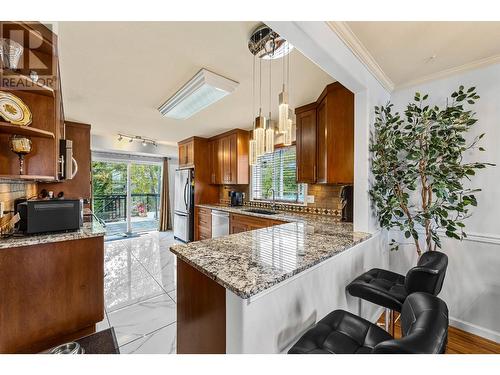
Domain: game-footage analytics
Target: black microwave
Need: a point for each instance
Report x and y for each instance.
(54, 215)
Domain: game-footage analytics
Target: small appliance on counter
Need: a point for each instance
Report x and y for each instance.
(236, 198)
(346, 196)
(50, 215)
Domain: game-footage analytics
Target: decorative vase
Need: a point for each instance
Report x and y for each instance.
(21, 146)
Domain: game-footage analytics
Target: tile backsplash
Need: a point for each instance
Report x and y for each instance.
(11, 190)
(326, 199)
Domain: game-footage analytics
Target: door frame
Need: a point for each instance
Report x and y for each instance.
(128, 162)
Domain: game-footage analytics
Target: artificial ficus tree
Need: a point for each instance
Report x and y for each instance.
(419, 170)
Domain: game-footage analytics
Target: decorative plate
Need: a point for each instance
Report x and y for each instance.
(13, 109)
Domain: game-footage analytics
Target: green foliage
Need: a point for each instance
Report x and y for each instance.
(145, 178)
(419, 171)
(111, 179)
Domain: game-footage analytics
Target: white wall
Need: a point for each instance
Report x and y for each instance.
(111, 144)
(472, 285)
(320, 43)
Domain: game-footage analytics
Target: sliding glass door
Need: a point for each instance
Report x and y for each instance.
(109, 194)
(126, 195)
(145, 185)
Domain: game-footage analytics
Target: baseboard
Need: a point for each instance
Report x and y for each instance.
(476, 330)
(457, 323)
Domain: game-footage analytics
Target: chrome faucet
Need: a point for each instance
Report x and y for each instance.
(274, 198)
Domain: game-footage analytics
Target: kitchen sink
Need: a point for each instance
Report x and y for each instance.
(261, 211)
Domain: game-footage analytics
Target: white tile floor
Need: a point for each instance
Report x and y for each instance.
(140, 293)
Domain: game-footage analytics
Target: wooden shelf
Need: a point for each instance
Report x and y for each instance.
(27, 131)
(27, 83)
(26, 177)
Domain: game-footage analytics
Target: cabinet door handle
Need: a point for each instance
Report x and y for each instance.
(314, 177)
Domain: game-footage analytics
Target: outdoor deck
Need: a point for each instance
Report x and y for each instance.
(139, 224)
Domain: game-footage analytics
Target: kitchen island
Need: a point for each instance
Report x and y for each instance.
(52, 288)
(257, 291)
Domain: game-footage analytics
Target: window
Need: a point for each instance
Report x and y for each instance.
(277, 171)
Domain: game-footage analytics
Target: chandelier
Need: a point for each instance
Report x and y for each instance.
(266, 44)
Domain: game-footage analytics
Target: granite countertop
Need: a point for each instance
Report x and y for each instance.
(250, 262)
(89, 229)
(288, 216)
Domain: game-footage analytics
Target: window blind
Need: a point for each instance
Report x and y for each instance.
(277, 171)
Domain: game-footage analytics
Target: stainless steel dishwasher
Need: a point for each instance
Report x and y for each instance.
(220, 223)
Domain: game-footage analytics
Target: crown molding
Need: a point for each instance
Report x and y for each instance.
(451, 71)
(347, 36)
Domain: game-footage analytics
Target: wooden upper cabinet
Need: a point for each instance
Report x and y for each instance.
(306, 143)
(43, 100)
(215, 162)
(186, 153)
(80, 185)
(229, 158)
(322, 135)
(325, 153)
(336, 163)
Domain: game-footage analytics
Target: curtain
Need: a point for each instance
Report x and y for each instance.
(165, 217)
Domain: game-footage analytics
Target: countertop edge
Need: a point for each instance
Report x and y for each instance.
(275, 282)
(87, 231)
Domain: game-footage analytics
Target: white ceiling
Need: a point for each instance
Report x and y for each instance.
(411, 52)
(116, 74)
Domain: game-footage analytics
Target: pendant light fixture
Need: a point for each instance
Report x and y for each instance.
(288, 124)
(252, 148)
(283, 104)
(270, 128)
(260, 122)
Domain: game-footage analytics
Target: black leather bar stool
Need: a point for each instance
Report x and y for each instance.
(390, 289)
(424, 330)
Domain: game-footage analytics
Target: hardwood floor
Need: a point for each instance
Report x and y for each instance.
(461, 342)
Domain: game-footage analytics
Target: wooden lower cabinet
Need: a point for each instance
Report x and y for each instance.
(244, 223)
(51, 293)
(237, 223)
(201, 312)
(203, 224)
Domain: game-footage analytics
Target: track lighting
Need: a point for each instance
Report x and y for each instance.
(131, 138)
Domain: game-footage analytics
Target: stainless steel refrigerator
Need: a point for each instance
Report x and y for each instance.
(184, 205)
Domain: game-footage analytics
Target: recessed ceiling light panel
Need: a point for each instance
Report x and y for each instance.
(204, 89)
